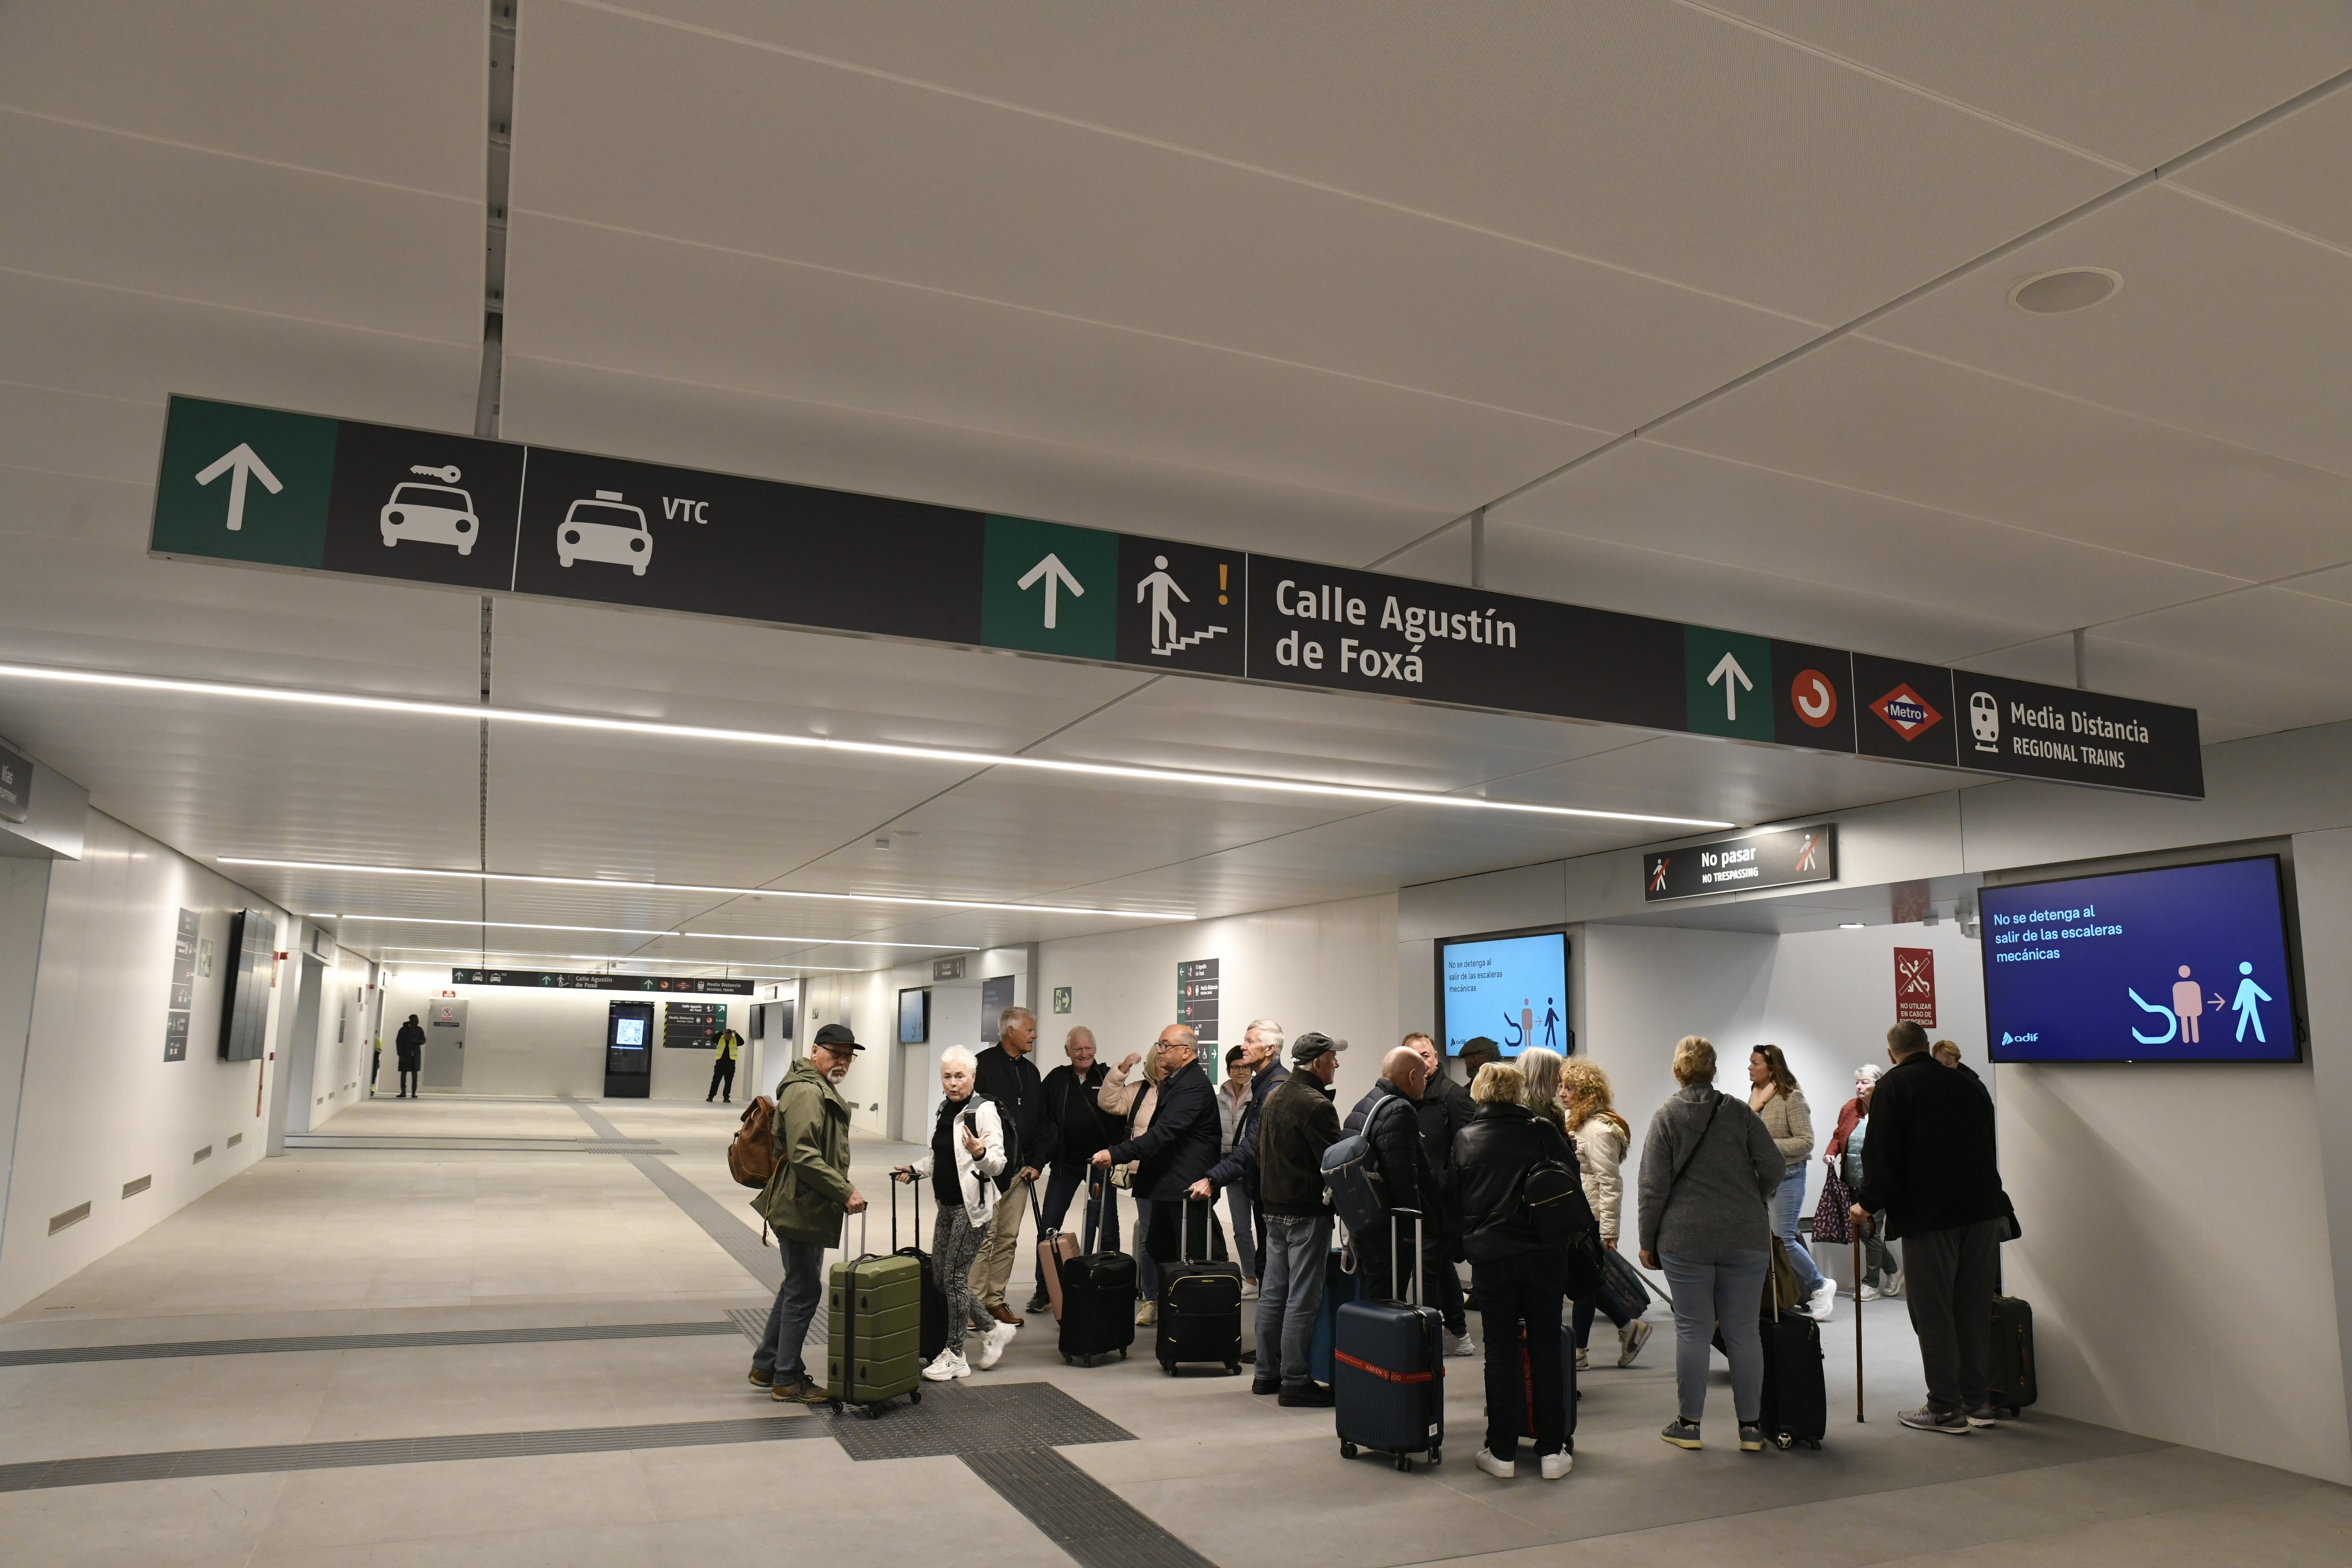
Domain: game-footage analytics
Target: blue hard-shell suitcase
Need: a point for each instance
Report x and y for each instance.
(1388, 1383)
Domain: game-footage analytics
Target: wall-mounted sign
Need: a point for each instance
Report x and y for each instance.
(554, 980)
(1915, 986)
(948, 968)
(1061, 998)
(1196, 997)
(691, 1025)
(181, 997)
(1785, 858)
(299, 490)
(16, 787)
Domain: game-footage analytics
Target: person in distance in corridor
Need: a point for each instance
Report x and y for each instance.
(1601, 1137)
(408, 1046)
(967, 1154)
(1406, 1180)
(726, 1046)
(1445, 1109)
(1299, 1124)
(1931, 1167)
(1773, 1094)
(1074, 1089)
(1708, 1169)
(1236, 1174)
(1879, 1275)
(1519, 1277)
(1007, 1076)
(804, 1203)
(1178, 1148)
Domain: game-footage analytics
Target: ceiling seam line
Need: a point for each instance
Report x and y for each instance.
(82, 392)
(2095, 204)
(319, 321)
(231, 154)
(1068, 318)
(2283, 583)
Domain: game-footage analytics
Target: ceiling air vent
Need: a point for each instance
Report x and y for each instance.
(2069, 288)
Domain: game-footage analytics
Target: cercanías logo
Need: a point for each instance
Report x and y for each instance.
(1906, 713)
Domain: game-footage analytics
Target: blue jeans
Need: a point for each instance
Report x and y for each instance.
(1290, 1293)
(1067, 1180)
(779, 1354)
(1516, 1293)
(1787, 1204)
(1712, 1286)
(1237, 1204)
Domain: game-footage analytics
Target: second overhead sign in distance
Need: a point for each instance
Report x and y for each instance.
(269, 488)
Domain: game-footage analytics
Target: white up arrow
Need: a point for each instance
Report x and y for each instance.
(1729, 673)
(1055, 573)
(236, 463)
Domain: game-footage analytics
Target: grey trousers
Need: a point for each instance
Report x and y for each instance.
(1948, 1282)
(1718, 1286)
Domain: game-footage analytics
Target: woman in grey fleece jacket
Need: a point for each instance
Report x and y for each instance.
(1708, 1227)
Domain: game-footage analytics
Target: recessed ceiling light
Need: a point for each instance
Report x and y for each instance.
(698, 888)
(2068, 289)
(630, 931)
(1850, 925)
(472, 713)
(625, 960)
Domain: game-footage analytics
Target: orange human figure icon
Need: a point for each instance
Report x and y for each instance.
(2189, 1001)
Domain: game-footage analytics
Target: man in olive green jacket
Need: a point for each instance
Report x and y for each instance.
(803, 1203)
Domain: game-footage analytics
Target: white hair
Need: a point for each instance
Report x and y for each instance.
(958, 1057)
(1265, 1029)
(1868, 1072)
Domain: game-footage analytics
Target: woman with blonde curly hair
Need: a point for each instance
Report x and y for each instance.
(1601, 1136)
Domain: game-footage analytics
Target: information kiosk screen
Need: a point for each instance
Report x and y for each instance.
(1512, 989)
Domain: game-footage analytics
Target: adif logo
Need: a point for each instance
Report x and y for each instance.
(1906, 713)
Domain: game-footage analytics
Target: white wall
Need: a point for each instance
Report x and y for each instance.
(333, 1073)
(548, 1043)
(1331, 967)
(99, 1106)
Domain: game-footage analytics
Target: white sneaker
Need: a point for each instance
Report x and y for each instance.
(1147, 1314)
(1871, 1293)
(993, 1343)
(1631, 1339)
(1249, 1289)
(1501, 1469)
(1464, 1346)
(1555, 1465)
(945, 1367)
(1824, 1301)
(1583, 1359)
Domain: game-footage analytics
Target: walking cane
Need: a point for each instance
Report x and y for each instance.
(1857, 1323)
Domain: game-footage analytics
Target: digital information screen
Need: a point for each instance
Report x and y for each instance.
(628, 1031)
(2185, 964)
(914, 1016)
(1511, 989)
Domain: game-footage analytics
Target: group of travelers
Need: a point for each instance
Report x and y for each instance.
(1720, 1187)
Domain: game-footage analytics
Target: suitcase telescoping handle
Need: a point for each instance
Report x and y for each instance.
(1396, 1254)
(1184, 1229)
(1099, 1196)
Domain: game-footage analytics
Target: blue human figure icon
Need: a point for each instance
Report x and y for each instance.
(1551, 1027)
(2248, 994)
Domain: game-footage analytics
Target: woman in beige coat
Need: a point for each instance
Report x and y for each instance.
(1601, 1136)
(1773, 1094)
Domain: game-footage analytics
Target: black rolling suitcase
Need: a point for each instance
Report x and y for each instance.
(933, 1334)
(2012, 1365)
(1388, 1377)
(1098, 1300)
(1200, 1317)
(1796, 1407)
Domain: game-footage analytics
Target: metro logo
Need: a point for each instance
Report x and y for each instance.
(1906, 713)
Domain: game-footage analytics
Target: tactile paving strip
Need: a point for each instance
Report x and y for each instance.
(173, 1350)
(957, 1418)
(1096, 1526)
(45, 1473)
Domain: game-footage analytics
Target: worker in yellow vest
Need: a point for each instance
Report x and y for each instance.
(723, 1069)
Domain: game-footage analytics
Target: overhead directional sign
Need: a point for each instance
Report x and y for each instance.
(421, 506)
(553, 980)
(1786, 857)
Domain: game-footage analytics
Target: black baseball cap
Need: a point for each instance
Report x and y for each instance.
(837, 1034)
(1310, 1045)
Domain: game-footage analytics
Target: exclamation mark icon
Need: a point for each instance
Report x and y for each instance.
(1221, 582)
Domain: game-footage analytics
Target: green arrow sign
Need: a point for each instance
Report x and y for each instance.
(1046, 587)
(1725, 681)
(244, 484)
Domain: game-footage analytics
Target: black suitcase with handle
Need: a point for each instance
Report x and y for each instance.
(933, 1336)
(1098, 1299)
(1200, 1317)
(2014, 1386)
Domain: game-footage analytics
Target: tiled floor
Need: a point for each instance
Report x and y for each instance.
(334, 1242)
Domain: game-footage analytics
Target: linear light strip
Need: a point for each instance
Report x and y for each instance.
(474, 714)
(687, 888)
(610, 958)
(630, 931)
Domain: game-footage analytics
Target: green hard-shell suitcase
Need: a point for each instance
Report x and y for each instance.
(874, 1311)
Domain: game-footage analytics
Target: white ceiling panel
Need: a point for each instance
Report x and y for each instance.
(2139, 82)
(395, 92)
(1649, 136)
(697, 315)
(2291, 171)
(999, 205)
(2234, 330)
(950, 464)
(1700, 776)
(1646, 496)
(1870, 417)
(172, 220)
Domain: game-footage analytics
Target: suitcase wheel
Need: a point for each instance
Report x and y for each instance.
(1404, 1463)
(1122, 1354)
(1347, 1449)
(836, 1407)
(1784, 1441)
(1233, 1369)
(914, 1396)
(1437, 1455)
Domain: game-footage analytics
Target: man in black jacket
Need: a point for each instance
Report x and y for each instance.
(1406, 1180)
(1178, 1148)
(1261, 1050)
(1930, 1165)
(1298, 1124)
(1087, 1128)
(1446, 1108)
(1008, 1077)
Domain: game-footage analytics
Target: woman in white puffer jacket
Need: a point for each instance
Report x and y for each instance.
(967, 1154)
(1601, 1137)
